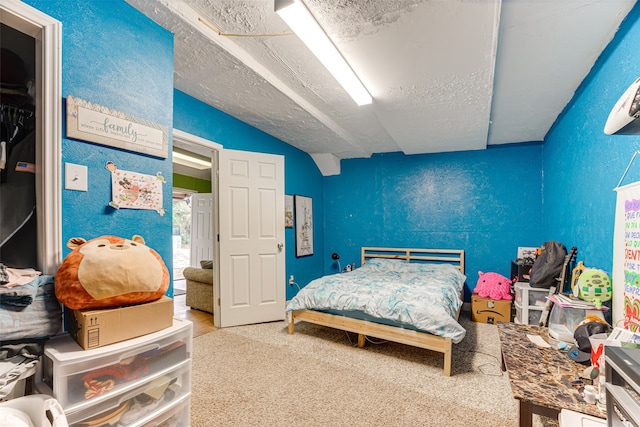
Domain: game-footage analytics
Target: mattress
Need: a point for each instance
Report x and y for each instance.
(420, 296)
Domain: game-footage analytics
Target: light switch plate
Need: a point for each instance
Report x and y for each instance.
(75, 177)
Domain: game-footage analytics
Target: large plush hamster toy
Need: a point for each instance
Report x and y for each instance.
(110, 271)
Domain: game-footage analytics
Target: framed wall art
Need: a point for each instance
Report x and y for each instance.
(304, 225)
(288, 211)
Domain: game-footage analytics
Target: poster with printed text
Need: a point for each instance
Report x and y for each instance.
(626, 258)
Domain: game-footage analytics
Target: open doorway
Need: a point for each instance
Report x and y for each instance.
(193, 160)
(181, 221)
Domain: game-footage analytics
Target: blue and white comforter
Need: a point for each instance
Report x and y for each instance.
(424, 296)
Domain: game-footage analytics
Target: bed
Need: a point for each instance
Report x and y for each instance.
(409, 296)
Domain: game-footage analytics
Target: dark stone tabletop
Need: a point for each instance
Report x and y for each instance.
(536, 373)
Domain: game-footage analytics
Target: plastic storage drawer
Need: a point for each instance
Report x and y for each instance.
(80, 378)
(526, 295)
(142, 404)
(178, 416)
(533, 315)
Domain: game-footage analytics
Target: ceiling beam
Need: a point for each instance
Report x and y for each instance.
(193, 18)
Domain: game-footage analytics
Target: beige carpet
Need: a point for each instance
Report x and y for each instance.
(259, 375)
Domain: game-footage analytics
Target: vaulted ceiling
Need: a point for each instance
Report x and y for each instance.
(444, 75)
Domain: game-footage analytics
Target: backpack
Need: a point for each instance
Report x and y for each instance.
(547, 268)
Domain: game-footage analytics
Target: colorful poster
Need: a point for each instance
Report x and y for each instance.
(134, 190)
(626, 258)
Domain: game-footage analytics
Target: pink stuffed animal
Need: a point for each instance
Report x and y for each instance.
(494, 286)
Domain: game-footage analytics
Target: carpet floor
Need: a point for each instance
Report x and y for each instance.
(259, 375)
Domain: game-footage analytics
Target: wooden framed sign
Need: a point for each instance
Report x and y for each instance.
(101, 125)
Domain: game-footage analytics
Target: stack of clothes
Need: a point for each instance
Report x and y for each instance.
(29, 314)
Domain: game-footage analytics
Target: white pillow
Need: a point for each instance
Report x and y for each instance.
(386, 264)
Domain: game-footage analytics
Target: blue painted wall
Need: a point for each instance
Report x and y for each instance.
(485, 202)
(114, 56)
(301, 174)
(490, 202)
(581, 164)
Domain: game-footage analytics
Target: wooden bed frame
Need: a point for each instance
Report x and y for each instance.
(392, 333)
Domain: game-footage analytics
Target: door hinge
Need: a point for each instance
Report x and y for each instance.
(218, 302)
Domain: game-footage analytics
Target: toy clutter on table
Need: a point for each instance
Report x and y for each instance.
(589, 289)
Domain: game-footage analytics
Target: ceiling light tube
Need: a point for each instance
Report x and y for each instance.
(191, 161)
(300, 20)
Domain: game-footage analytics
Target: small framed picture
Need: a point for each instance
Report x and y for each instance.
(288, 211)
(304, 225)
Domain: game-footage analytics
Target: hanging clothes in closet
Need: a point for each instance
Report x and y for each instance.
(18, 219)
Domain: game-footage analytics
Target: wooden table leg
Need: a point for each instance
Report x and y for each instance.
(527, 409)
(526, 414)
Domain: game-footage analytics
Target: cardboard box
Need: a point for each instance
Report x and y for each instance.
(97, 328)
(487, 310)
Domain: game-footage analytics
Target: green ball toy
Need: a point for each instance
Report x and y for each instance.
(594, 286)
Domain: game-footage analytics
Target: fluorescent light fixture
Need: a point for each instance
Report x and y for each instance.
(300, 20)
(191, 161)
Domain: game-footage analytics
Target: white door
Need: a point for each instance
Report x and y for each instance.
(252, 257)
(201, 228)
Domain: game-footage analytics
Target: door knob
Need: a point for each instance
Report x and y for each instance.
(280, 246)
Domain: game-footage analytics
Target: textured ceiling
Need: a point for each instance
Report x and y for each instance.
(444, 75)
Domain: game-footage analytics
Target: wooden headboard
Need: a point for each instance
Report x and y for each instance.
(448, 256)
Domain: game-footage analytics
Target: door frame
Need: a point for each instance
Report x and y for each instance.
(47, 33)
(187, 138)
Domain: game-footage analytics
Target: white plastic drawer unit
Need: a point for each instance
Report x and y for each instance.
(177, 416)
(529, 303)
(526, 295)
(533, 316)
(141, 405)
(80, 378)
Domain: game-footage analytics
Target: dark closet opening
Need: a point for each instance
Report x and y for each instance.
(18, 216)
